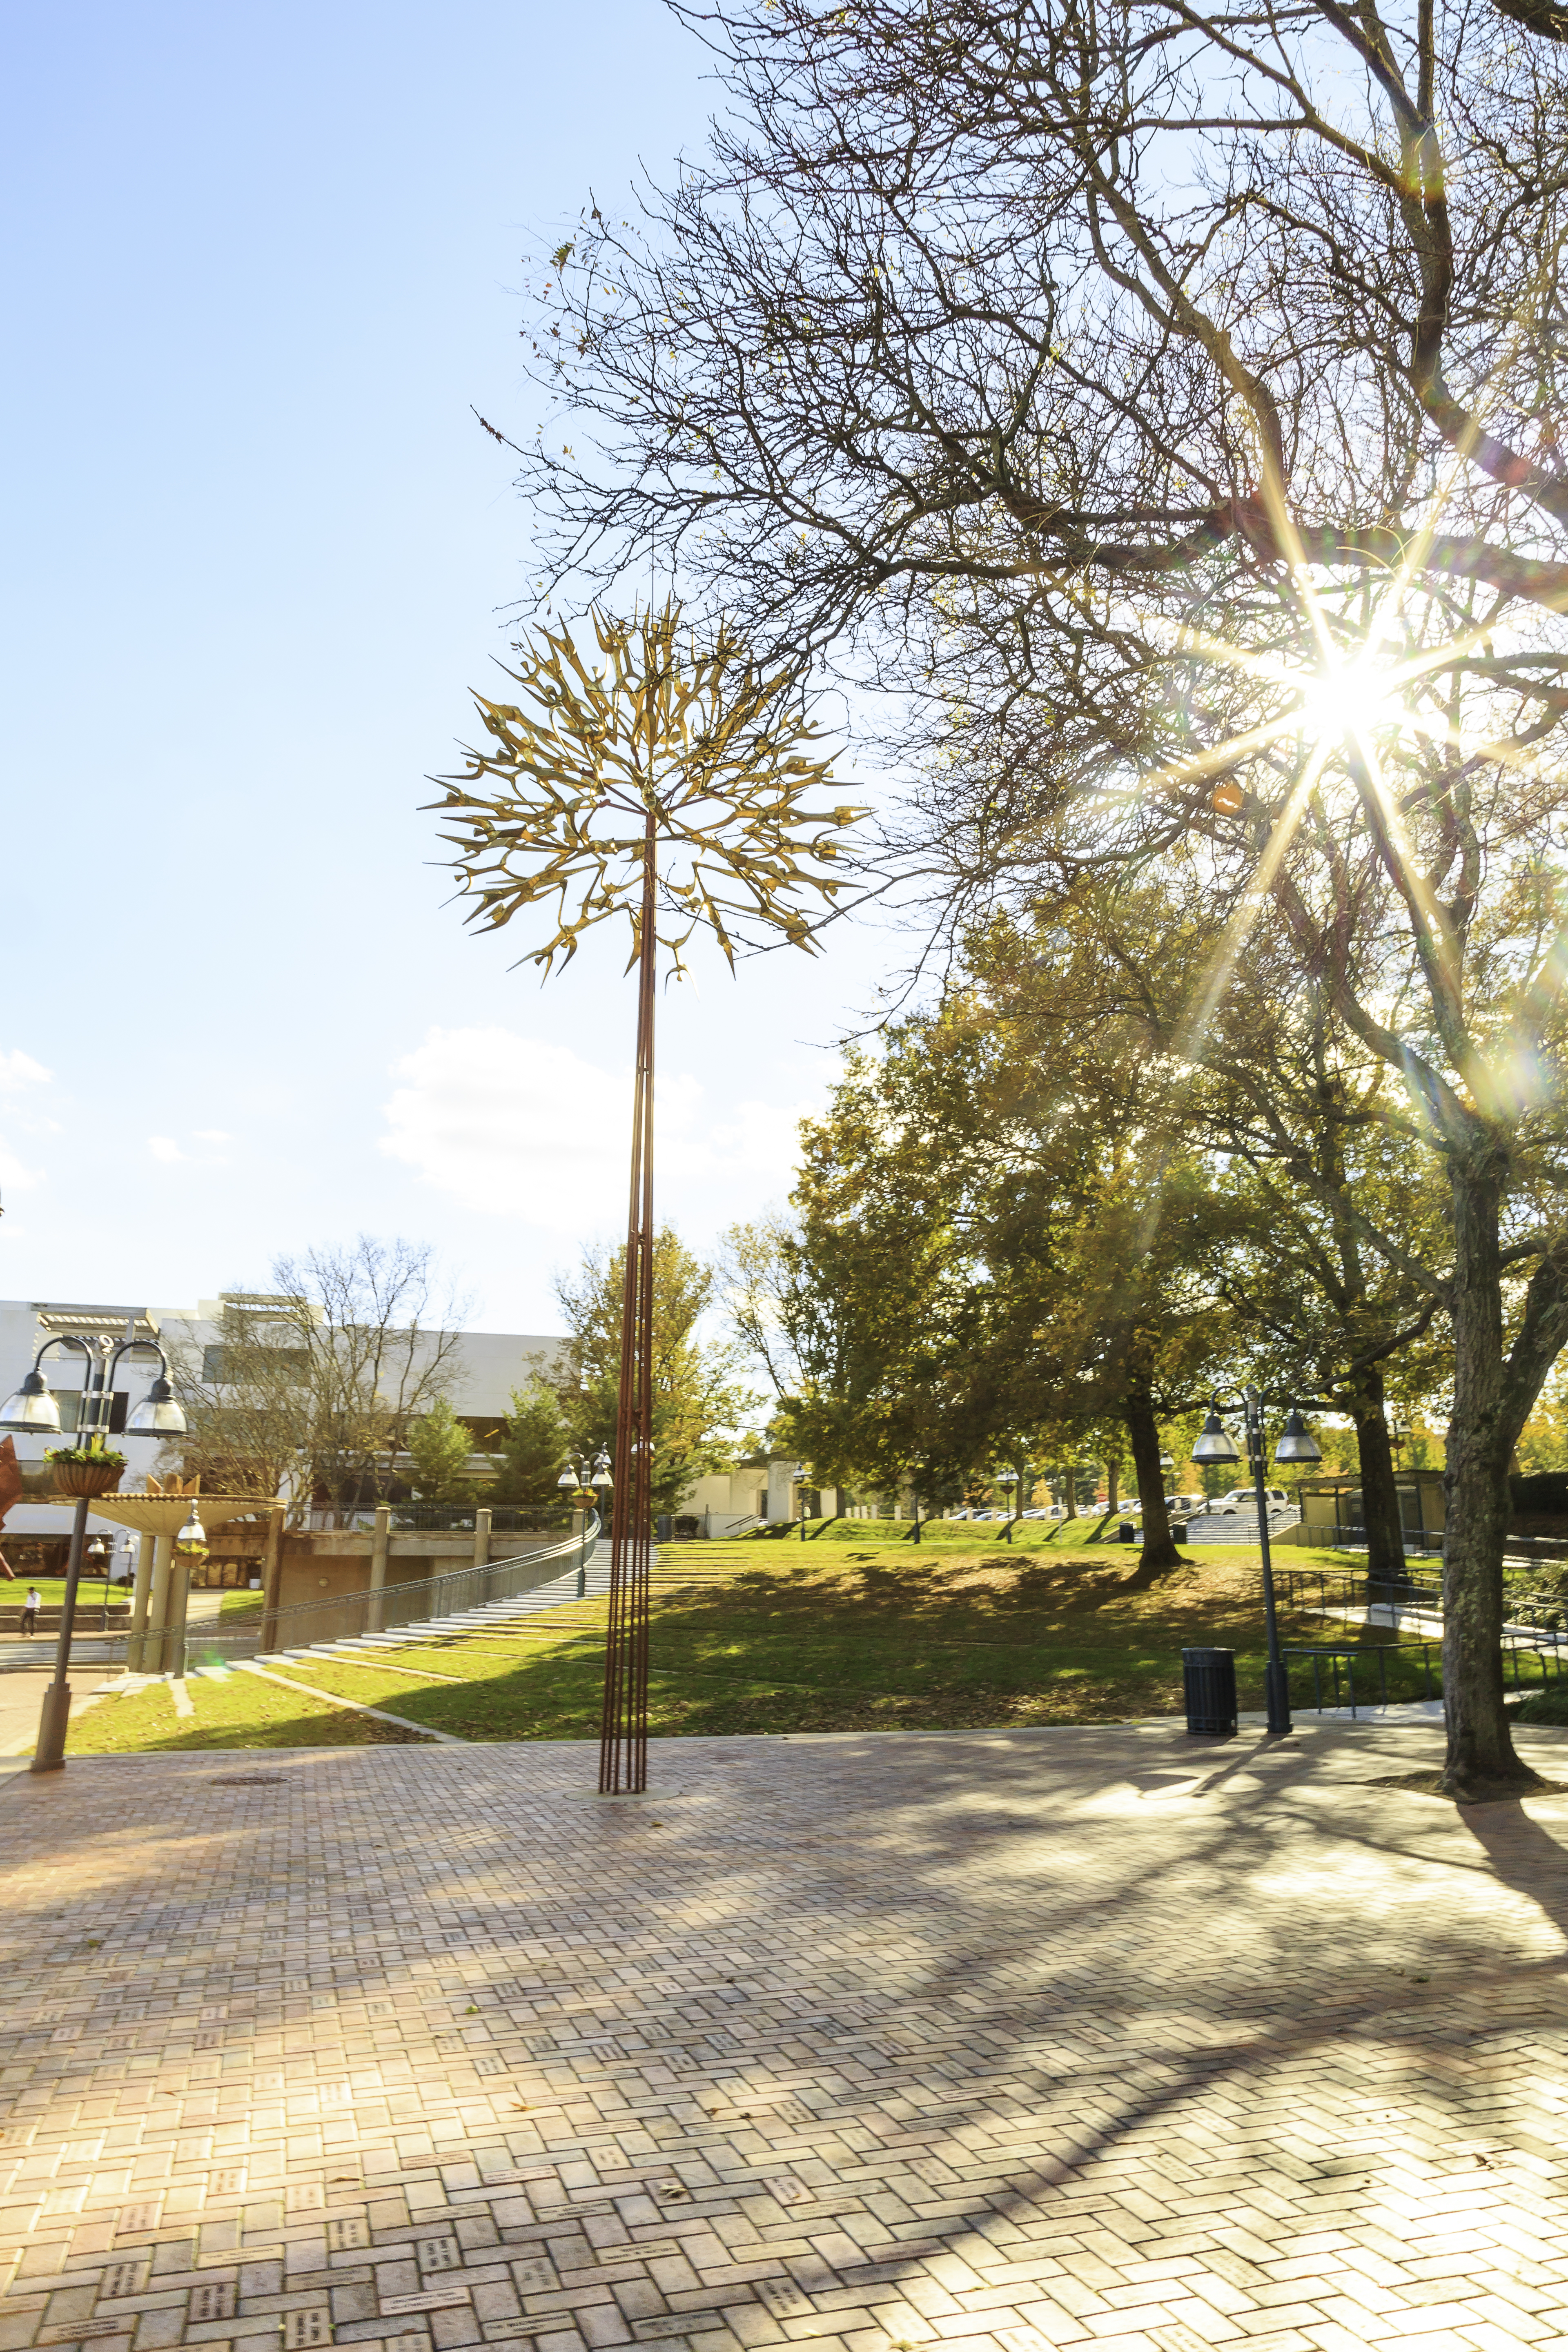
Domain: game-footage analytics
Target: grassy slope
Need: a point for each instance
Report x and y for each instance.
(753, 1638)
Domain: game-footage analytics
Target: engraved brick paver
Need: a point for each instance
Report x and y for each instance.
(995, 2042)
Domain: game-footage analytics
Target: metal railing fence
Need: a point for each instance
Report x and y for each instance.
(1350, 1587)
(506, 1518)
(1415, 1658)
(1349, 1535)
(392, 1608)
(439, 1518)
(1354, 1588)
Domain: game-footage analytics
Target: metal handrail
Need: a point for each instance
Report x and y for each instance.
(389, 1608)
(1353, 1655)
(1358, 1587)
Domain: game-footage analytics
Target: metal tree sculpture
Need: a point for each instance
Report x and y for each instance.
(674, 794)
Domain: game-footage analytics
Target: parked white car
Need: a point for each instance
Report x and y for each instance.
(1244, 1499)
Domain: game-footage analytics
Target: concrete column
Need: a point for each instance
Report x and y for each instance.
(380, 1544)
(140, 1594)
(481, 1539)
(152, 1659)
(271, 1575)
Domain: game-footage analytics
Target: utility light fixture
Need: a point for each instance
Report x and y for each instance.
(159, 1414)
(1297, 1443)
(1215, 1444)
(32, 1408)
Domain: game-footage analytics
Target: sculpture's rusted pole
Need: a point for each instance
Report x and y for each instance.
(599, 771)
(623, 1737)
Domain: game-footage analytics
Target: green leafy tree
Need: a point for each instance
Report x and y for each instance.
(700, 1402)
(440, 1446)
(534, 1444)
(1317, 1211)
(994, 1256)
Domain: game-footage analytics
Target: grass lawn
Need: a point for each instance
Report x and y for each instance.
(52, 1589)
(243, 1712)
(869, 1636)
(89, 1596)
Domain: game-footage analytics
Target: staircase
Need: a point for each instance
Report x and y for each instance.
(589, 1583)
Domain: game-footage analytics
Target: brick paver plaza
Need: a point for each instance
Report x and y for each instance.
(995, 2041)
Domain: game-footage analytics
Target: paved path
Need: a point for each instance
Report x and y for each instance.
(997, 2041)
(22, 1700)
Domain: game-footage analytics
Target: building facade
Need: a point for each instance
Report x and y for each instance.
(484, 1368)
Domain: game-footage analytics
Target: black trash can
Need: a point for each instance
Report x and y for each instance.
(1208, 1684)
(1126, 1532)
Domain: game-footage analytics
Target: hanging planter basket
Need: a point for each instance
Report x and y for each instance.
(87, 1478)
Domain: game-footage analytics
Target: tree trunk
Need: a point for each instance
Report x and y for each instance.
(1480, 1761)
(1379, 1495)
(1159, 1554)
(1070, 1488)
(1112, 1485)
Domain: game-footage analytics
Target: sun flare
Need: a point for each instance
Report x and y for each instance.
(1349, 700)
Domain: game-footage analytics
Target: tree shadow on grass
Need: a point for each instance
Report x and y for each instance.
(869, 1646)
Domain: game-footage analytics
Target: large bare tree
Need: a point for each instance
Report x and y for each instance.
(311, 1389)
(1167, 400)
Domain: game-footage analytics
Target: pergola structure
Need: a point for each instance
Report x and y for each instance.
(161, 1589)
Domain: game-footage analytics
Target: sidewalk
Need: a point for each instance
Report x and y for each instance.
(22, 1697)
(1005, 2040)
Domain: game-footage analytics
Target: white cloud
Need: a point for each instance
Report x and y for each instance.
(511, 1125)
(18, 1070)
(163, 1147)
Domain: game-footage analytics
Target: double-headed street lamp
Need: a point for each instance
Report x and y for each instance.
(585, 1479)
(1297, 1443)
(1010, 1480)
(33, 1411)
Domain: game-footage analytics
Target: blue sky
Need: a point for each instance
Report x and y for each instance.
(261, 265)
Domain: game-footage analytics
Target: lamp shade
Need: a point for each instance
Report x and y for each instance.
(157, 1416)
(568, 1481)
(32, 1408)
(1215, 1444)
(1297, 1443)
(193, 1536)
(1007, 1477)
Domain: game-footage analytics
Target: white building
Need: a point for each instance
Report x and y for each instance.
(485, 1367)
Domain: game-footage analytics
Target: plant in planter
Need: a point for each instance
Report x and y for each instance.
(85, 1469)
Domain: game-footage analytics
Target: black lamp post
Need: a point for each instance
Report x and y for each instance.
(589, 1480)
(100, 1555)
(797, 1473)
(33, 1411)
(1012, 1485)
(1296, 1444)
